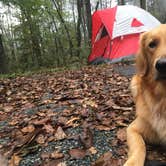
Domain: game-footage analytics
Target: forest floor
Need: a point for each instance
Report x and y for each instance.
(71, 118)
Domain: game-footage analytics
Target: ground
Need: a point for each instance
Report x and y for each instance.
(70, 118)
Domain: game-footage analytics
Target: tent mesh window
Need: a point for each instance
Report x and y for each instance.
(104, 32)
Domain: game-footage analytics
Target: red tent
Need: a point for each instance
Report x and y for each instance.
(115, 32)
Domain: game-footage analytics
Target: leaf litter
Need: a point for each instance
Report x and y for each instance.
(68, 118)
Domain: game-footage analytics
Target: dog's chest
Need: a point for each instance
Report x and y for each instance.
(158, 121)
(159, 125)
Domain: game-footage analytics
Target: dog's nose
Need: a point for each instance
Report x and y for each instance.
(161, 65)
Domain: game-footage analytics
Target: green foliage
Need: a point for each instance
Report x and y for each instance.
(39, 39)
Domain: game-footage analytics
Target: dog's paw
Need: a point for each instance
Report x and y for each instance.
(129, 163)
(133, 162)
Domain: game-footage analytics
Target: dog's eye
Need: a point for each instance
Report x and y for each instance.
(153, 44)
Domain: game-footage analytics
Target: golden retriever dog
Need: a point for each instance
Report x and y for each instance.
(148, 88)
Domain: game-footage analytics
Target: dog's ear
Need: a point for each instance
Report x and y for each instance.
(141, 58)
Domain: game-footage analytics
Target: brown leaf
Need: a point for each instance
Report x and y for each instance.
(15, 160)
(121, 134)
(41, 122)
(40, 139)
(77, 153)
(121, 124)
(104, 160)
(28, 106)
(92, 150)
(14, 122)
(62, 120)
(49, 128)
(62, 164)
(56, 155)
(53, 162)
(51, 138)
(86, 138)
(107, 159)
(41, 114)
(84, 112)
(23, 141)
(72, 121)
(122, 108)
(3, 161)
(91, 103)
(60, 134)
(8, 108)
(45, 156)
(102, 128)
(28, 129)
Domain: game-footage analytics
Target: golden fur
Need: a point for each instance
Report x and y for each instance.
(149, 94)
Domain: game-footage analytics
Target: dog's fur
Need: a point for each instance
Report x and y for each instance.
(149, 93)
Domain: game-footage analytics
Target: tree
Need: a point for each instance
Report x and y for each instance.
(45, 33)
(121, 2)
(89, 18)
(78, 33)
(2, 57)
(143, 4)
(65, 27)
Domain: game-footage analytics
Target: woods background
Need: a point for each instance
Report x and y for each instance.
(36, 34)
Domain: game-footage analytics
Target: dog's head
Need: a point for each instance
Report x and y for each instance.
(151, 58)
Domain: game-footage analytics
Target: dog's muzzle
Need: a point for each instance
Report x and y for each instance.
(161, 68)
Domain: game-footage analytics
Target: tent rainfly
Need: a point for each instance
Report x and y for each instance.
(116, 31)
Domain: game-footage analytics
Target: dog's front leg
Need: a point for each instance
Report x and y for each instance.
(136, 144)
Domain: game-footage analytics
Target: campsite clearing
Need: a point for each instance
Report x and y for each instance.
(72, 118)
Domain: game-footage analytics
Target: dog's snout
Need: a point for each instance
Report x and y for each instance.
(161, 65)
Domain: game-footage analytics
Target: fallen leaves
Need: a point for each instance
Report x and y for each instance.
(7, 109)
(72, 122)
(86, 138)
(92, 150)
(56, 155)
(39, 109)
(3, 160)
(77, 153)
(121, 134)
(40, 139)
(49, 128)
(28, 129)
(60, 134)
(107, 159)
(15, 160)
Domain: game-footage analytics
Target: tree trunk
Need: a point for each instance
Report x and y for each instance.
(57, 38)
(35, 34)
(89, 18)
(78, 27)
(143, 4)
(97, 6)
(101, 4)
(84, 27)
(2, 57)
(74, 16)
(121, 2)
(65, 27)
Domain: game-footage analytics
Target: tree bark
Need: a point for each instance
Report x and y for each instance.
(74, 16)
(101, 4)
(2, 57)
(57, 38)
(143, 4)
(97, 6)
(65, 27)
(121, 2)
(35, 35)
(78, 27)
(89, 18)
